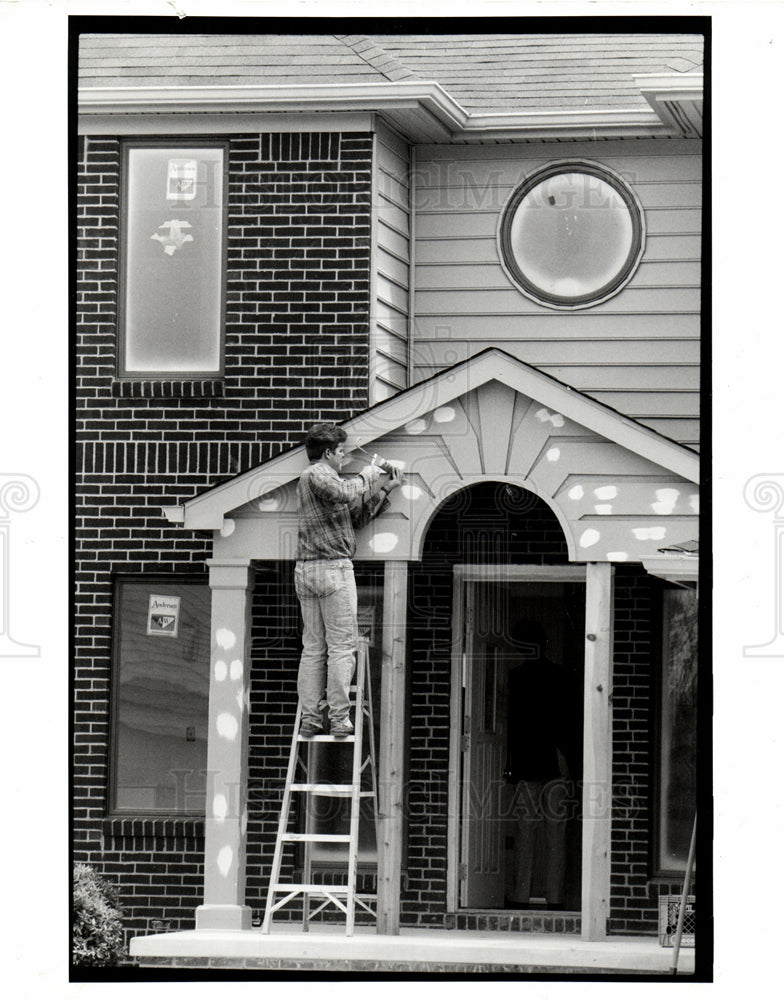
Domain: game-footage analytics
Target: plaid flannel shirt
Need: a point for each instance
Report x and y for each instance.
(330, 506)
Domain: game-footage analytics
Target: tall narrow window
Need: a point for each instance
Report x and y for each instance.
(160, 696)
(677, 785)
(173, 241)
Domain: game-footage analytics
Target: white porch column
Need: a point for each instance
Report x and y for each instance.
(391, 749)
(226, 818)
(597, 751)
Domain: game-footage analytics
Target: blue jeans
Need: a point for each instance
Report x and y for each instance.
(328, 598)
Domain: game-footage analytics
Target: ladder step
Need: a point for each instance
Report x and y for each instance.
(318, 838)
(313, 890)
(316, 889)
(339, 791)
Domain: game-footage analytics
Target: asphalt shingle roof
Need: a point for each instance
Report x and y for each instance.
(484, 73)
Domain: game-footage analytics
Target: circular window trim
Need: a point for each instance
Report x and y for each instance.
(625, 272)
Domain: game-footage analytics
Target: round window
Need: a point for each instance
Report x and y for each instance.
(571, 235)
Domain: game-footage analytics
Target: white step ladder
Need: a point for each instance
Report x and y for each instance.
(344, 896)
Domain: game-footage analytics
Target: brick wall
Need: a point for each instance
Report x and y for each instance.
(296, 351)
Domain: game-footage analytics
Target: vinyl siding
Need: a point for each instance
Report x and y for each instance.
(389, 365)
(639, 351)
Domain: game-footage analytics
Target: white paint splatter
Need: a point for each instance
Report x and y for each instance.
(416, 426)
(220, 807)
(603, 508)
(546, 417)
(410, 491)
(617, 556)
(694, 502)
(606, 492)
(221, 670)
(653, 534)
(553, 454)
(665, 501)
(225, 638)
(227, 527)
(589, 537)
(576, 493)
(384, 541)
(236, 670)
(444, 414)
(227, 726)
(225, 860)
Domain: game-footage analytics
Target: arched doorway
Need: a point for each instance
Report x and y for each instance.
(495, 556)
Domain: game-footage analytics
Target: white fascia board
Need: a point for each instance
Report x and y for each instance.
(207, 510)
(674, 569)
(569, 123)
(677, 86)
(274, 98)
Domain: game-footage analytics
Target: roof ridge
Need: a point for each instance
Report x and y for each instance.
(376, 57)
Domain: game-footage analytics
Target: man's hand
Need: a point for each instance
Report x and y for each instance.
(395, 479)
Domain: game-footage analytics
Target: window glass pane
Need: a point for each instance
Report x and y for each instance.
(571, 238)
(678, 785)
(174, 259)
(571, 234)
(161, 696)
(331, 762)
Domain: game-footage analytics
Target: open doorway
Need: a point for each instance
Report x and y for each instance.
(519, 633)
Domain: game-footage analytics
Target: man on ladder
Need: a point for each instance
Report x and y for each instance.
(329, 508)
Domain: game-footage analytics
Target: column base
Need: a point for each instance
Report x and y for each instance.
(227, 917)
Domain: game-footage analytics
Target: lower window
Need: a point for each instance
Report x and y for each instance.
(160, 696)
(677, 784)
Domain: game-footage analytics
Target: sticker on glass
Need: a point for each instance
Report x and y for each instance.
(163, 615)
(181, 180)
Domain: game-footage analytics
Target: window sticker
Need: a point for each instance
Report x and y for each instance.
(181, 180)
(174, 238)
(163, 615)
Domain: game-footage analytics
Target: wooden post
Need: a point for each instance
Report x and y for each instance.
(391, 749)
(226, 817)
(597, 751)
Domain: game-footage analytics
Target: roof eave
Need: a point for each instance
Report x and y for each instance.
(677, 100)
(422, 109)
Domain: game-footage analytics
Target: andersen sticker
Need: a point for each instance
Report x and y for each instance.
(163, 615)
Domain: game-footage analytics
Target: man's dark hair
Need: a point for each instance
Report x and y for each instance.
(323, 437)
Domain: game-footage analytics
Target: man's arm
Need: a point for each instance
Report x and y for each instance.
(329, 487)
(365, 510)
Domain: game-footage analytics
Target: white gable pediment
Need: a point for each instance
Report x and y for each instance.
(619, 490)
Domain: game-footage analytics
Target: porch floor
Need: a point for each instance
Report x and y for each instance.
(415, 949)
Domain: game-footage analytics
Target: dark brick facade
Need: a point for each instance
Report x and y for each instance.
(296, 351)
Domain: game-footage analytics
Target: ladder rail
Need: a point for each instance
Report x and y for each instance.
(283, 821)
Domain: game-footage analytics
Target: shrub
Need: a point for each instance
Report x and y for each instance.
(97, 919)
